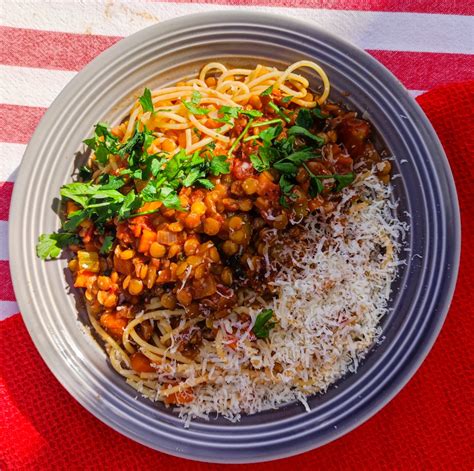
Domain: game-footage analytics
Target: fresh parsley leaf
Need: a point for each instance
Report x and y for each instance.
(259, 164)
(319, 114)
(192, 105)
(102, 130)
(301, 131)
(130, 203)
(196, 159)
(107, 245)
(268, 91)
(263, 324)
(230, 111)
(343, 180)
(74, 219)
(285, 167)
(289, 164)
(285, 185)
(251, 113)
(193, 109)
(304, 119)
(315, 186)
(91, 143)
(102, 143)
(169, 198)
(146, 101)
(174, 165)
(283, 202)
(269, 134)
(135, 141)
(102, 154)
(155, 166)
(193, 175)
(149, 192)
(50, 245)
(287, 99)
(206, 183)
(218, 165)
(137, 174)
(113, 183)
(196, 97)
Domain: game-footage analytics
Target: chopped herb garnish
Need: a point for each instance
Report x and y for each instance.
(219, 165)
(239, 138)
(287, 99)
(269, 134)
(50, 245)
(300, 131)
(263, 324)
(319, 114)
(266, 123)
(146, 101)
(250, 138)
(279, 112)
(290, 163)
(196, 97)
(107, 244)
(304, 119)
(268, 91)
(285, 185)
(251, 113)
(260, 162)
(342, 180)
(232, 112)
(192, 105)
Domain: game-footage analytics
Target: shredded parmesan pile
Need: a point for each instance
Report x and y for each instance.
(328, 305)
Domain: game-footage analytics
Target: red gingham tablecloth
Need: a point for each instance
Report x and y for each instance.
(428, 45)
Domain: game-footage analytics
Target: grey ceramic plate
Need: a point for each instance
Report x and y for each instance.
(166, 53)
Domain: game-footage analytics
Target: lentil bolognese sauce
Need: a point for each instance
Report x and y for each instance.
(234, 239)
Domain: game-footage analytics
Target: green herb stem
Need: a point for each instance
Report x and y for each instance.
(279, 112)
(144, 213)
(251, 138)
(242, 134)
(266, 123)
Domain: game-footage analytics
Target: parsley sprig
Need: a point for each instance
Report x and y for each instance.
(263, 324)
(115, 196)
(192, 105)
(288, 154)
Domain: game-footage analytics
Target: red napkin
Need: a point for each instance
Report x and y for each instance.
(427, 426)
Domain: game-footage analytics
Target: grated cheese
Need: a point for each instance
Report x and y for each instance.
(328, 305)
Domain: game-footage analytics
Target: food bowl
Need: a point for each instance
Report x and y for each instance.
(423, 186)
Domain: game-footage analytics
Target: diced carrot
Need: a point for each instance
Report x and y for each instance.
(181, 397)
(147, 238)
(150, 206)
(139, 223)
(231, 341)
(113, 324)
(123, 233)
(125, 267)
(266, 187)
(182, 140)
(71, 207)
(141, 363)
(83, 278)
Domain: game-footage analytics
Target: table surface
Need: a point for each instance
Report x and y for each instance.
(425, 43)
